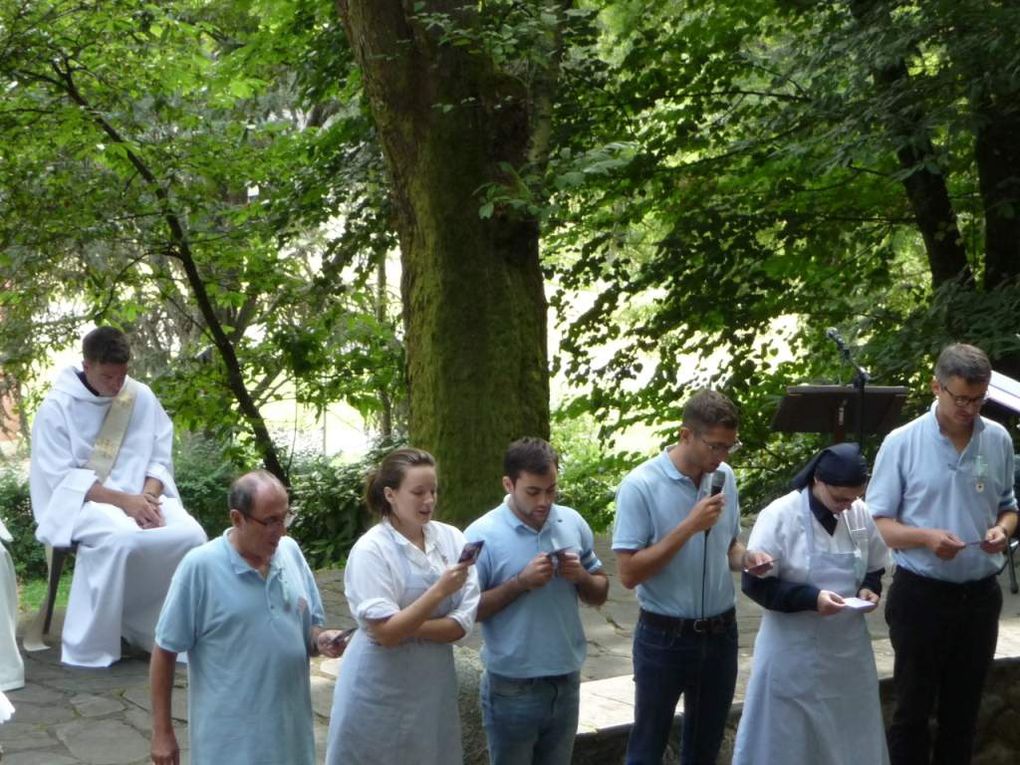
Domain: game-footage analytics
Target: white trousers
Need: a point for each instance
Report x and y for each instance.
(12, 669)
(121, 576)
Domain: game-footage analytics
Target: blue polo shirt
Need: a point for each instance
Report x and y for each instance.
(921, 480)
(248, 641)
(540, 633)
(652, 499)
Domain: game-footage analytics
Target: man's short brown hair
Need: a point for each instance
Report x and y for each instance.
(106, 345)
(709, 409)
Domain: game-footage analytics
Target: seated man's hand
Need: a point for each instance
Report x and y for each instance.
(144, 509)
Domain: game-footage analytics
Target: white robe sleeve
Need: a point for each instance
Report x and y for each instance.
(161, 464)
(57, 484)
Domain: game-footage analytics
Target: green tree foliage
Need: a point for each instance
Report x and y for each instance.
(736, 177)
(166, 168)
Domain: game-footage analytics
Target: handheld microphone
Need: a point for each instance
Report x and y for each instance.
(718, 481)
(716, 486)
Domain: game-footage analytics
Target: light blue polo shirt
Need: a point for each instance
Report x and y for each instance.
(248, 642)
(921, 480)
(652, 499)
(540, 633)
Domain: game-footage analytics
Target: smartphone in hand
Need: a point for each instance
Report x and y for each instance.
(471, 552)
(761, 569)
(558, 554)
(343, 637)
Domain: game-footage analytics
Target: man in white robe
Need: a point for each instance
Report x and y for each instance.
(130, 527)
(12, 668)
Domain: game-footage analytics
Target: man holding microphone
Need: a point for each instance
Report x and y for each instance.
(675, 539)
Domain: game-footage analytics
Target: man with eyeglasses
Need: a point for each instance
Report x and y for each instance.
(247, 611)
(676, 541)
(942, 497)
(537, 563)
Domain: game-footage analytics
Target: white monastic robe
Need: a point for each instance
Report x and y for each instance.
(121, 572)
(12, 669)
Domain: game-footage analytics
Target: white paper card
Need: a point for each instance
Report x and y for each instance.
(859, 604)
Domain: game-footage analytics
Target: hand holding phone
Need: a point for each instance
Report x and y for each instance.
(471, 552)
(758, 567)
(333, 645)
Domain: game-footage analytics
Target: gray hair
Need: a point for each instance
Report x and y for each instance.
(967, 362)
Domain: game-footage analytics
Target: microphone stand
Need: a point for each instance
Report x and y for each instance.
(861, 379)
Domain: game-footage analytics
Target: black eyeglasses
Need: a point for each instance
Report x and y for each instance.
(964, 401)
(273, 523)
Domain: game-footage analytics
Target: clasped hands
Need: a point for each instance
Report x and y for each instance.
(143, 509)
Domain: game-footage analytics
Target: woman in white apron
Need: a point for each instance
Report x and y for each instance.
(396, 695)
(813, 693)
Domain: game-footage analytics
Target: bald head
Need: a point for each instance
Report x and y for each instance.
(252, 489)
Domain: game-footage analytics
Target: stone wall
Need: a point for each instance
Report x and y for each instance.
(998, 726)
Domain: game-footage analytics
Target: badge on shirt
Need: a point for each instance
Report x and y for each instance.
(980, 472)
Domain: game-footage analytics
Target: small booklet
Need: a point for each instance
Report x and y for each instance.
(859, 604)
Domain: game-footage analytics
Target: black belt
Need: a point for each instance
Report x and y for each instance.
(713, 625)
(974, 585)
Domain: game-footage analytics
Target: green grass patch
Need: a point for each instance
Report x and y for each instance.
(33, 592)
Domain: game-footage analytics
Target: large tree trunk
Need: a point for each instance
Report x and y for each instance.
(925, 185)
(473, 296)
(997, 150)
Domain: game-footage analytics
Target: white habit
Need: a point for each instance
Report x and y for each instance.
(12, 669)
(121, 572)
(813, 694)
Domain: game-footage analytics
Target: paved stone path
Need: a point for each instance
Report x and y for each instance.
(101, 717)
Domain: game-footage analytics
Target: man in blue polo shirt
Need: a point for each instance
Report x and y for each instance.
(942, 498)
(538, 560)
(676, 542)
(246, 609)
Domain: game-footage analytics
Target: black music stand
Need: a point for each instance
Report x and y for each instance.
(834, 408)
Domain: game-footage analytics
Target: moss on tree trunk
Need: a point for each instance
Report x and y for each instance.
(473, 295)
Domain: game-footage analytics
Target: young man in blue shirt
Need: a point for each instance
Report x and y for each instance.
(942, 497)
(676, 542)
(537, 562)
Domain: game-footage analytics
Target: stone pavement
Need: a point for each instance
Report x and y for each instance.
(101, 717)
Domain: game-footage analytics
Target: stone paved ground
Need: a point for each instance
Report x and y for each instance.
(101, 717)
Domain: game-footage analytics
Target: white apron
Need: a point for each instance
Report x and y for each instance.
(813, 693)
(397, 705)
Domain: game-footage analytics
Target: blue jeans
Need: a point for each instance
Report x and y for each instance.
(701, 667)
(530, 720)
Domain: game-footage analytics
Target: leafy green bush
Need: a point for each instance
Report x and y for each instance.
(203, 470)
(16, 509)
(326, 497)
(589, 473)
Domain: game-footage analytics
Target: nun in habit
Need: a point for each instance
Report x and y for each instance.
(813, 693)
